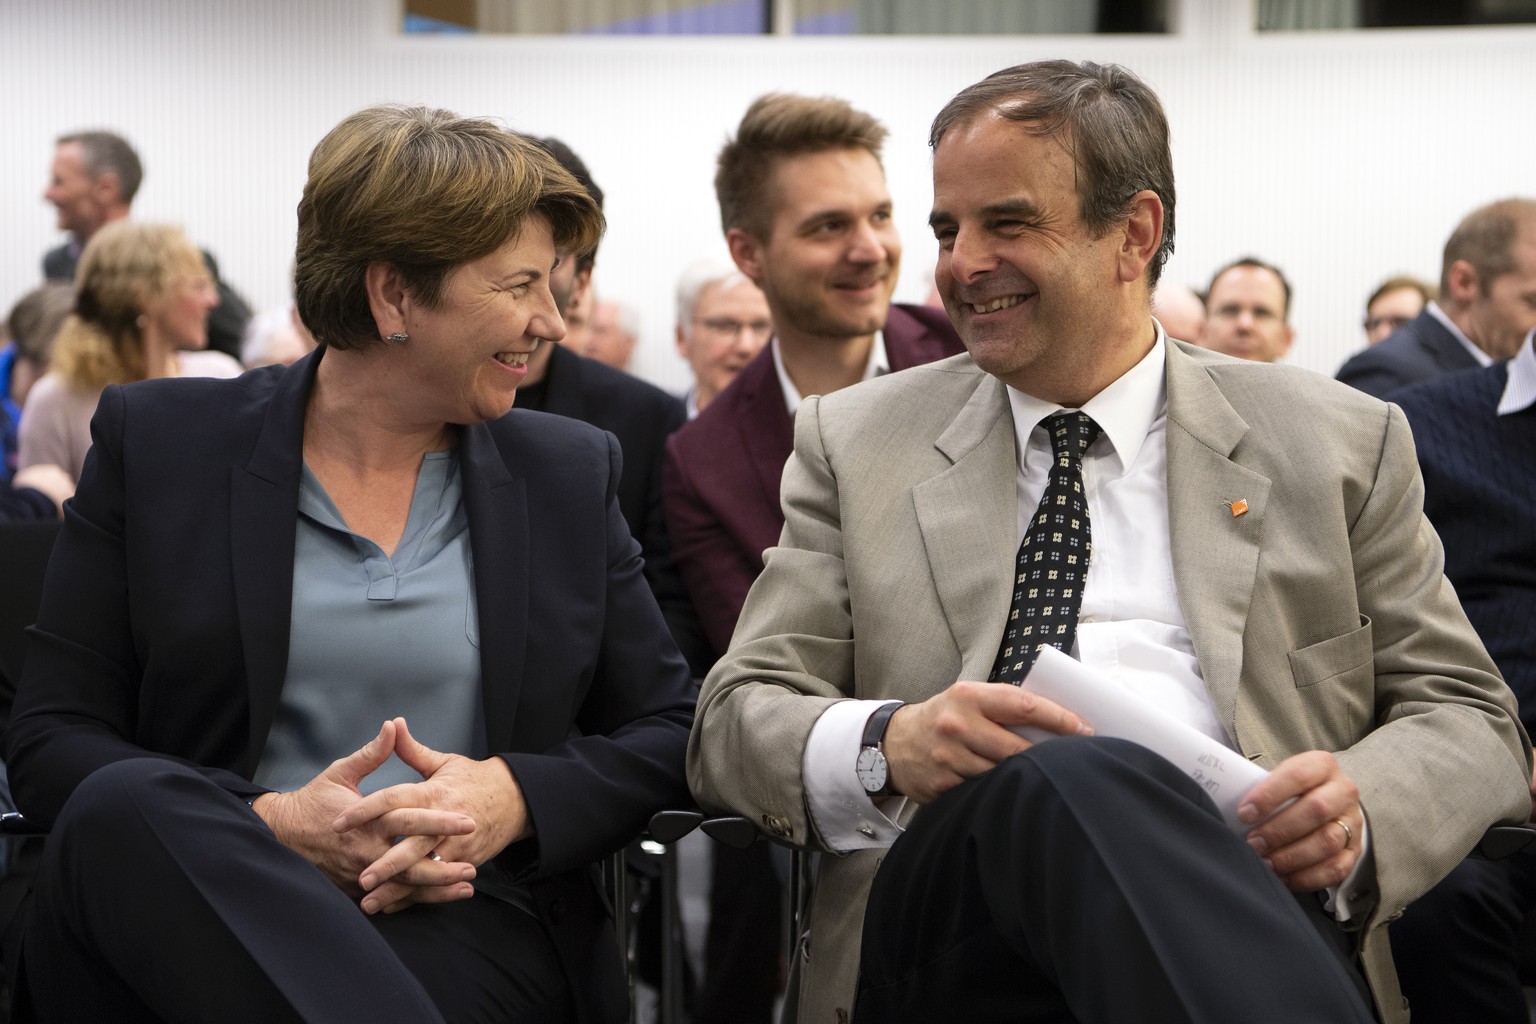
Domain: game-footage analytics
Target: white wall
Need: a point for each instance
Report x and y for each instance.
(1343, 158)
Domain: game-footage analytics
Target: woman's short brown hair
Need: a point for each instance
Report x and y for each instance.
(424, 191)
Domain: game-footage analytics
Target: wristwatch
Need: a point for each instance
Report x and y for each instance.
(874, 773)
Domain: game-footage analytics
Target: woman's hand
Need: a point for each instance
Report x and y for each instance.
(302, 821)
(482, 792)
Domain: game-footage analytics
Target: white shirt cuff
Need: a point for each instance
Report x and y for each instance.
(1356, 895)
(844, 815)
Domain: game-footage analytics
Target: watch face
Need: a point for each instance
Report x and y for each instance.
(871, 768)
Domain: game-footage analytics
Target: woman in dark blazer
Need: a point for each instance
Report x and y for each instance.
(255, 573)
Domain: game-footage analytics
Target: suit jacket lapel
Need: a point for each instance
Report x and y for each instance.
(264, 502)
(496, 502)
(968, 515)
(1215, 553)
(766, 429)
(1443, 348)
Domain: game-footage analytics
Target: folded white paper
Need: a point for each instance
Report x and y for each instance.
(1112, 710)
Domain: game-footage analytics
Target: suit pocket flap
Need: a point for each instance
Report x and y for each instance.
(1322, 661)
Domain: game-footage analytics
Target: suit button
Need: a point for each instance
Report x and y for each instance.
(557, 910)
(778, 826)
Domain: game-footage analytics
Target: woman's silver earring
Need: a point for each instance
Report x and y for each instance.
(398, 338)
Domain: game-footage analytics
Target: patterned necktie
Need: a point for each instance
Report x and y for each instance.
(1053, 557)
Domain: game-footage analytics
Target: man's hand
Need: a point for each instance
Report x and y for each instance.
(482, 792)
(302, 820)
(1302, 841)
(957, 734)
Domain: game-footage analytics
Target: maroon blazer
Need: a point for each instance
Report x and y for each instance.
(720, 483)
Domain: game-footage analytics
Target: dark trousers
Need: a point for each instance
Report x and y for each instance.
(1088, 880)
(741, 948)
(162, 897)
(1457, 947)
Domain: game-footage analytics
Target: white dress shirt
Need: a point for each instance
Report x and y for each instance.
(1520, 389)
(1483, 358)
(879, 363)
(1130, 625)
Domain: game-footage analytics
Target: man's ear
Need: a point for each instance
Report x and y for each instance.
(1464, 284)
(579, 285)
(747, 251)
(387, 298)
(1140, 235)
(107, 189)
(1290, 339)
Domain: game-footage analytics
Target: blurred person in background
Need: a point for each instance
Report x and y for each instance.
(275, 337)
(1395, 302)
(612, 334)
(1180, 310)
(92, 182)
(142, 301)
(722, 322)
(1485, 307)
(1248, 312)
(32, 325)
(141, 312)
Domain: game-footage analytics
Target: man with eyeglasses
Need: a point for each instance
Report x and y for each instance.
(722, 323)
(807, 217)
(1486, 305)
(1395, 302)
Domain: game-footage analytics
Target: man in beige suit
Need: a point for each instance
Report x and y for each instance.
(1260, 568)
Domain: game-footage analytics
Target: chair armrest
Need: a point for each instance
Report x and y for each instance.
(1502, 840)
(14, 823)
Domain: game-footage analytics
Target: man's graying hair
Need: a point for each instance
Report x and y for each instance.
(1108, 120)
(102, 151)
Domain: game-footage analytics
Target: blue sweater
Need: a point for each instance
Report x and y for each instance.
(1480, 493)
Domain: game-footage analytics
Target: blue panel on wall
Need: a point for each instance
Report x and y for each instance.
(837, 23)
(732, 17)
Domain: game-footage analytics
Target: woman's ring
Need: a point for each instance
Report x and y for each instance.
(1349, 833)
(434, 855)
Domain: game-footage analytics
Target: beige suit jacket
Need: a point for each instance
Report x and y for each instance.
(1321, 618)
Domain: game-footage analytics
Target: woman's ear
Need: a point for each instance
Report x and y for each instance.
(387, 298)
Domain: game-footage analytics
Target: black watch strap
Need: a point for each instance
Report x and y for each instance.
(874, 730)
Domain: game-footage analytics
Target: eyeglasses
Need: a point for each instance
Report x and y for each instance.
(725, 327)
(1392, 323)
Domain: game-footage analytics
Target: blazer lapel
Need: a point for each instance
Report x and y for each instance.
(264, 502)
(968, 515)
(766, 429)
(1215, 552)
(496, 502)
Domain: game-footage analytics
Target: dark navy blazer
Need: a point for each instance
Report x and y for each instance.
(164, 627)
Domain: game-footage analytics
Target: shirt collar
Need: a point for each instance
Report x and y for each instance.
(878, 365)
(1520, 389)
(1483, 358)
(1127, 409)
